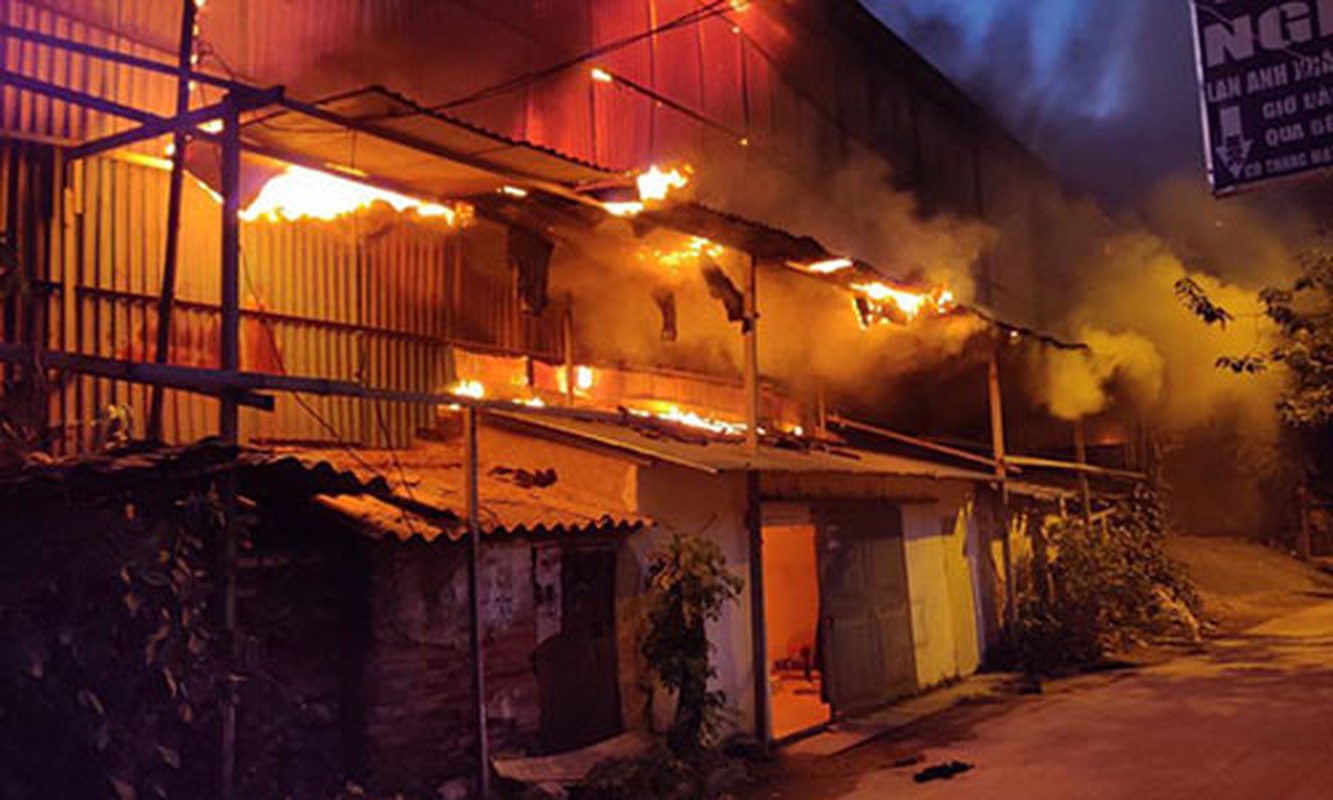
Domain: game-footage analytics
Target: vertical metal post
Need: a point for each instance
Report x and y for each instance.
(179, 140)
(821, 414)
(753, 508)
(1085, 488)
(228, 426)
(568, 323)
(471, 471)
(750, 330)
(754, 525)
(996, 404)
(231, 262)
(1304, 546)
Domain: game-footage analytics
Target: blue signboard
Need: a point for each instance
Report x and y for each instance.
(1266, 82)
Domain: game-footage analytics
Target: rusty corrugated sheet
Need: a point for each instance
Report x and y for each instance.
(427, 495)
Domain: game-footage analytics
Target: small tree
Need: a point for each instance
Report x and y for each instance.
(689, 585)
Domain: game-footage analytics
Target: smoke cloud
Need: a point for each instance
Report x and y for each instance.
(811, 338)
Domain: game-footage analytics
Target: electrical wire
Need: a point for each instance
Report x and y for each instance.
(715, 8)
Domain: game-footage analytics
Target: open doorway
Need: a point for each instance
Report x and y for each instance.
(791, 615)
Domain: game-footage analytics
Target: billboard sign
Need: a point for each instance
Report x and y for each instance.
(1266, 83)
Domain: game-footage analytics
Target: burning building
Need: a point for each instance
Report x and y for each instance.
(569, 277)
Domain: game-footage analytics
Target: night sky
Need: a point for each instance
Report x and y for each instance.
(1103, 90)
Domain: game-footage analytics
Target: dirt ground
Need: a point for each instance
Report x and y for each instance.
(1248, 715)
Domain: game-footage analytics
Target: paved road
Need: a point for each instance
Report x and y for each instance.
(1250, 720)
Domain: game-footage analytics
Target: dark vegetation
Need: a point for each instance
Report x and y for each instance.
(1100, 590)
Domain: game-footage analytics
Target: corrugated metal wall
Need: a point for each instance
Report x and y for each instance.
(365, 298)
(121, 26)
(807, 82)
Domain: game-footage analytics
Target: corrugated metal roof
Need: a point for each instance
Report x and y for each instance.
(759, 239)
(387, 135)
(425, 495)
(715, 454)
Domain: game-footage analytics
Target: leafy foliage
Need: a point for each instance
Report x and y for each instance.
(688, 586)
(1111, 585)
(1303, 316)
(1196, 300)
(110, 675)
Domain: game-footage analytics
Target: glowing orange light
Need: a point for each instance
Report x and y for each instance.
(689, 253)
(474, 389)
(623, 209)
(298, 193)
(656, 184)
(584, 378)
(670, 412)
(212, 126)
(830, 266)
(601, 76)
(513, 191)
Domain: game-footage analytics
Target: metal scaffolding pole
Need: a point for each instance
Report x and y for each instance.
(228, 428)
(231, 262)
(179, 139)
(471, 476)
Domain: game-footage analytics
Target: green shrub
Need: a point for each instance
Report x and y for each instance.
(688, 586)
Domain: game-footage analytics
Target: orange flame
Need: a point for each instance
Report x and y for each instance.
(299, 193)
(670, 412)
(887, 303)
(656, 185)
(688, 253)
